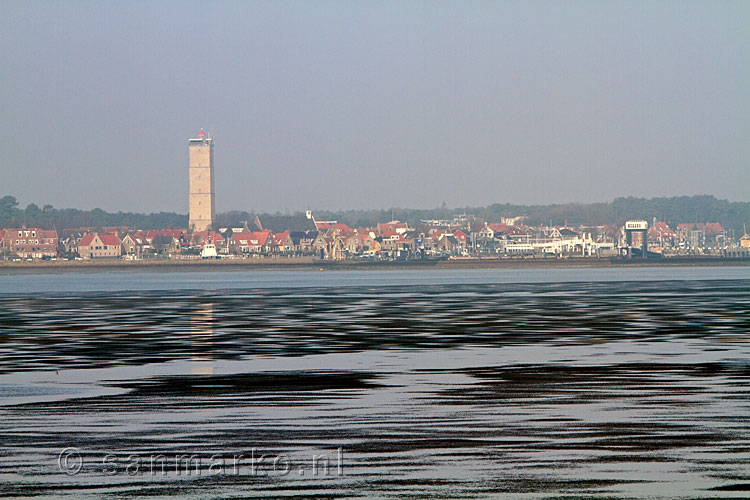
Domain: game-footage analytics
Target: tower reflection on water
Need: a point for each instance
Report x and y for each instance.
(201, 339)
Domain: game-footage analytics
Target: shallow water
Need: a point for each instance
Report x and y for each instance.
(627, 383)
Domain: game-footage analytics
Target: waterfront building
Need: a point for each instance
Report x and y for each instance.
(30, 243)
(98, 246)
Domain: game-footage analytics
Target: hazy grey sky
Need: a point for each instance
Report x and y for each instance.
(347, 104)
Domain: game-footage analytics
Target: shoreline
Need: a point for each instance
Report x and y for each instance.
(309, 263)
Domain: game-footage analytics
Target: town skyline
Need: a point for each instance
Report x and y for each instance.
(425, 240)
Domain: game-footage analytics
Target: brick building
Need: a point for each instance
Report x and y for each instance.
(30, 243)
(100, 246)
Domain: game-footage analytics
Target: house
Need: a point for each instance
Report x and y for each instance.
(239, 242)
(353, 243)
(132, 246)
(333, 226)
(100, 246)
(709, 228)
(397, 226)
(319, 243)
(448, 243)
(30, 243)
(367, 241)
(335, 244)
(431, 239)
(247, 243)
(661, 230)
(390, 239)
(462, 238)
(68, 242)
(302, 241)
(697, 234)
(486, 232)
(165, 242)
(329, 245)
(394, 241)
(282, 242)
(517, 235)
(660, 235)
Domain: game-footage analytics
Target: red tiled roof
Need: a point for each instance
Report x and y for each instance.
(279, 239)
(327, 225)
(498, 227)
(661, 229)
(709, 227)
(391, 226)
(109, 239)
(257, 238)
(240, 237)
(389, 233)
(263, 236)
(46, 233)
(41, 233)
(214, 237)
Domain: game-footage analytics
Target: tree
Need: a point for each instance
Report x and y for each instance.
(32, 215)
(8, 210)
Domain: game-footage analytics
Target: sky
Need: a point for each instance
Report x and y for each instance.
(341, 104)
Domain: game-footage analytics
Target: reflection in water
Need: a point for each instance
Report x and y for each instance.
(98, 330)
(201, 333)
(512, 391)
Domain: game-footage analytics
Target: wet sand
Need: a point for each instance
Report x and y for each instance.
(541, 390)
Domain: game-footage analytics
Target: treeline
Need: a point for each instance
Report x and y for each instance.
(48, 217)
(674, 210)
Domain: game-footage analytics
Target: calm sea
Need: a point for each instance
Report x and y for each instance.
(512, 384)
